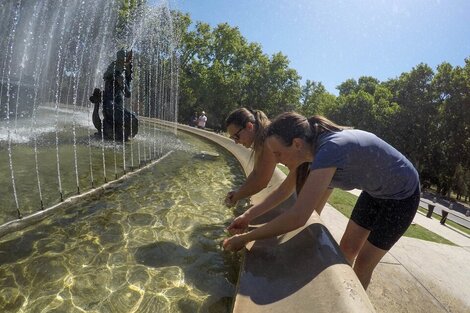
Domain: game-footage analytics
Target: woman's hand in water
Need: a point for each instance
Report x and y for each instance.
(234, 243)
(230, 199)
(239, 225)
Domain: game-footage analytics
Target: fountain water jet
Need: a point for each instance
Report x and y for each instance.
(74, 41)
(98, 252)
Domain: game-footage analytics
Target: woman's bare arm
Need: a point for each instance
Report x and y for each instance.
(280, 194)
(257, 180)
(312, 196)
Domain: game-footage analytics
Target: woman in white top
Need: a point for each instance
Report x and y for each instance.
(202, 120)
(247, 127)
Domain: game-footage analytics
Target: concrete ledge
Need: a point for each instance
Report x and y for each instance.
(301, 271)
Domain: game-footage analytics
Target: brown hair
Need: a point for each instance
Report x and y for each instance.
(241, 116)
(290, 125)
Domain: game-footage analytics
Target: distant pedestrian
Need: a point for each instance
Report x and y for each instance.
(202, 120)
(445, 213)
(193, 120)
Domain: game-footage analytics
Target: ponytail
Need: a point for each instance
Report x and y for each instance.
(290, 125)
(261, 122)
(318, 126)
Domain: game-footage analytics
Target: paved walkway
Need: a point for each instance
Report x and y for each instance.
(454, 215)
(417, 275)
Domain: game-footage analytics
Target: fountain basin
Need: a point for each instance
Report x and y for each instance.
(149, 243)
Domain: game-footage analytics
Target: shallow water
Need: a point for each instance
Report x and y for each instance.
(150, 143)
(152, 245)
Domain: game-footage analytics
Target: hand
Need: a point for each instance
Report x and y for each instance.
(239, 225)
(234, 243)
(230, 199)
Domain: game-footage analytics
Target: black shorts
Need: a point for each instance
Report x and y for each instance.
(386, 219)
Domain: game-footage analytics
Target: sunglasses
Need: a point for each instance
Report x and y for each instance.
(236, 136)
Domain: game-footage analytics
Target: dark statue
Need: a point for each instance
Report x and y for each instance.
(117, 84)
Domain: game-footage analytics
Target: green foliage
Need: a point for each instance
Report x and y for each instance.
(348, 87)
(220, 71)
(315, 99)
(419, 232)
(126, 11)
(425, 115)
(343, 201)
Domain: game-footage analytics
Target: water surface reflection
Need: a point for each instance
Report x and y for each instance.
(150, 246)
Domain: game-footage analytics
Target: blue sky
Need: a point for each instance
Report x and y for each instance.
(331, 41)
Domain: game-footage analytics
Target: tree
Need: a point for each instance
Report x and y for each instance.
(348, 87)
(414, 124)
(452, 91)
(221, 71)
(459, 184)
(316, 100)
(281, 85)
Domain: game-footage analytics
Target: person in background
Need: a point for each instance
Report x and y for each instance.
(346, 159)
(445, 213)
(202, 120)
(193, 120)
(247, 127)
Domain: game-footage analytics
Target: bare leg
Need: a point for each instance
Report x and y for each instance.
(352, 241)
(355, 246)
(366, 261)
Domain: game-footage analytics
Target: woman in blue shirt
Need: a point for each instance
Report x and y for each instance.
(346, 159)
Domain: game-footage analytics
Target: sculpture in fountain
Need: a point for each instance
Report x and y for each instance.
(117, 85)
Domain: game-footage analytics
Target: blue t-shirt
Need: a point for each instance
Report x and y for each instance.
(366, 162)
